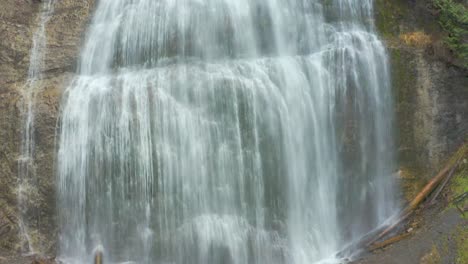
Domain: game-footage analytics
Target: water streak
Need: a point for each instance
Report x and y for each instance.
(219, 131)
(26, 164)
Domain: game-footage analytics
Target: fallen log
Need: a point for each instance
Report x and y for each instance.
(425, 192)
(389, 241)
(430, 186)
(442, 186)
(389, 229)
(460, 199)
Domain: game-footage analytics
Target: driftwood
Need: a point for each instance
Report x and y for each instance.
(443, 184)
(430, 186)
(426, 191)
(389, 241)
(389, 229)
(459, 199)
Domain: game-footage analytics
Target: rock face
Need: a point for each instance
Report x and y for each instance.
(430, 85)
(18, 21)
(430, 89)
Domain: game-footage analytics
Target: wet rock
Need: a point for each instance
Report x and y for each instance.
(429, 87)
(18, 22)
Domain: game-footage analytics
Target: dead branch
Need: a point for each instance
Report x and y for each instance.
(442, 186)
(426, 191)
(389, 241)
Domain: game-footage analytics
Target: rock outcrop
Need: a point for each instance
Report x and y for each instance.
(430, 84)
(18, 21)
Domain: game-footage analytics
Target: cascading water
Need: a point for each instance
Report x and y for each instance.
(222, 131)
(26, 166)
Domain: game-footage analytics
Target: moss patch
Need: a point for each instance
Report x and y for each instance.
(389, 15)
(459, 184)
(458, 187)
(404, 81)
(433, 257)
(411, 182)
(462, 245)
(460, 181)
(453, 18)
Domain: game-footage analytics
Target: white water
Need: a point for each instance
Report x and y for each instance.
(26, 165)
(221, 131)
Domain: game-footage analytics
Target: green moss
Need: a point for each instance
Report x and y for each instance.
(462, 245)
(460, 181)
(411, 182)
(404, 81)
(389, 16)
(433, 257)
(445, 250)
(459, 186)
(453, 17)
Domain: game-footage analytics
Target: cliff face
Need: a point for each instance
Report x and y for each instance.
(430, 89)
(18, 22)
(430, 84)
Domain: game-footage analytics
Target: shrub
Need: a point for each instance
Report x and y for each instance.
(453, 17)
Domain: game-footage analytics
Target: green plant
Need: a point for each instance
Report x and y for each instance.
(453, 17)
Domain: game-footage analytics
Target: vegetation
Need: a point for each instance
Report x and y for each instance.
(453, 17)
(433, 257)
(459, 186)
(417, 39)
(460, 183)
(462, 245)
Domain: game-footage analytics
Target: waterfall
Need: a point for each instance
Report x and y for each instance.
(26, 165)
(222, 131)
